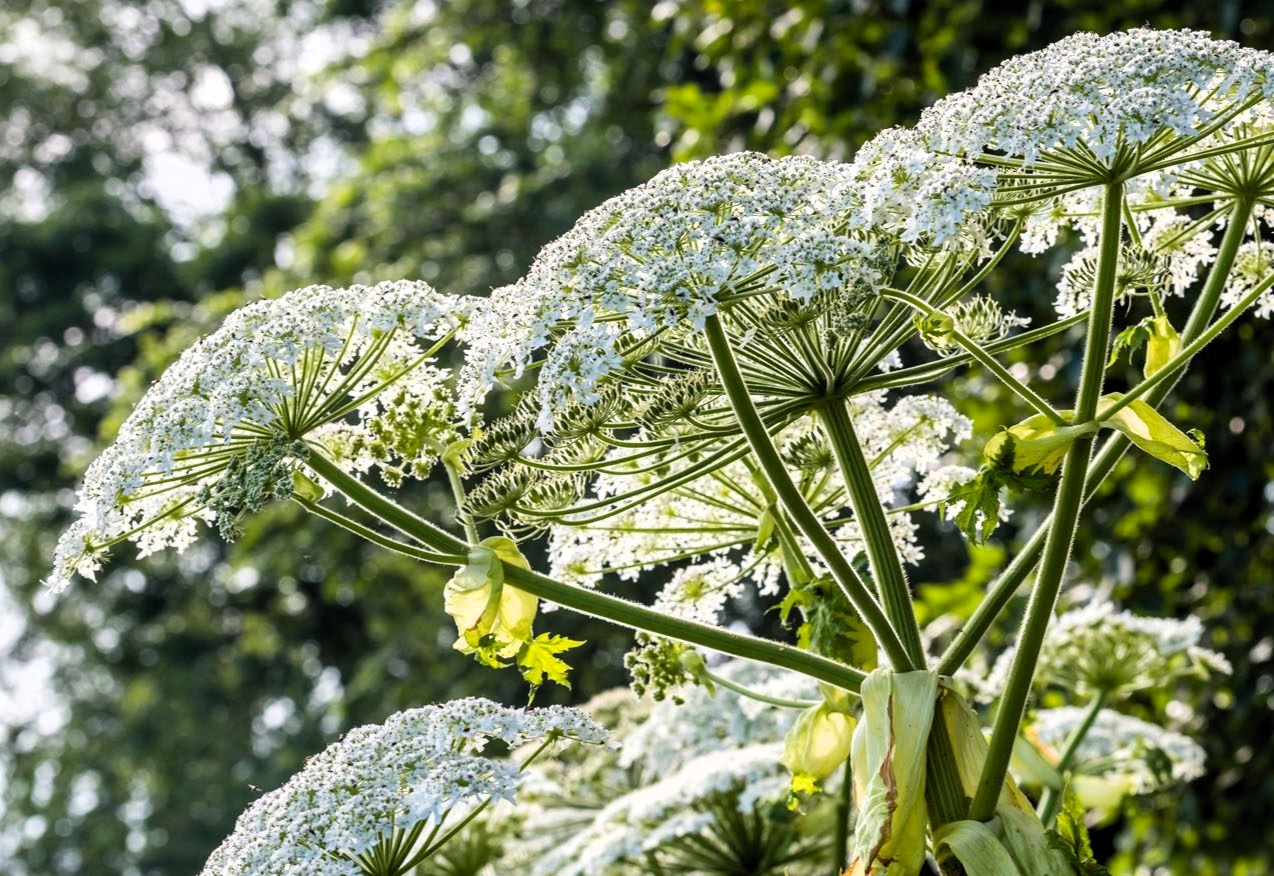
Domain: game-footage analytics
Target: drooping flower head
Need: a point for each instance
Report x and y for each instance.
(223, 430)
(372, 794)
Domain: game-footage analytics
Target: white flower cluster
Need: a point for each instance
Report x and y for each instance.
(1098, 649)
(921, 195)
(379, 781)
(220, 432)
(1099, 94)
(1172, 249)
(670, 253)
(1252, 266)
(680, 756)
(715, 518)
(1137, 756)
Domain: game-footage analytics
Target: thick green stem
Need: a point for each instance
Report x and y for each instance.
(1051, 797)
(789, 495)
(943, 792)
(882, 553)
(1066, 507)
(600, 605)
(1114, 448)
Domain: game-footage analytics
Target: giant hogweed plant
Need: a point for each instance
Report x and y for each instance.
(736, 380)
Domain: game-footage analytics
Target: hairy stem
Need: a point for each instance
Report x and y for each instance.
(1066, 507)
(882, 553)
(789, 495)
(1112, 450)
(600, 605)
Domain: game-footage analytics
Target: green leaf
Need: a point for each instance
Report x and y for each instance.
(976, 847)
(1156, 334)
(1035, 446)
(1151, 431)
(1161, 346)
(1129, 341)
(1071, 837)
(833, 629)
(538, 659)
(889, 751)
(980, 514)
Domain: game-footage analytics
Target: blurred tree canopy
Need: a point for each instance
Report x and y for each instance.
(164, 160)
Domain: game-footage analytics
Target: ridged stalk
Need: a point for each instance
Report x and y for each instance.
(1066, 507)
(600, 605)
(790, 497)
(1114, 447)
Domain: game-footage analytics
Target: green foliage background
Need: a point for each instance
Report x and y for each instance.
(480, 132)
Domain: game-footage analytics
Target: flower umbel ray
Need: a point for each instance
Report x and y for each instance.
(225, 428)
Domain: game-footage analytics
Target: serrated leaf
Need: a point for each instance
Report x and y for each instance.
(833, 629)
(1129, 341)
(980, 513)
(1071, 837)
(538, 659)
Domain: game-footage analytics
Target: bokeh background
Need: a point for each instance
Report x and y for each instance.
(162, 161)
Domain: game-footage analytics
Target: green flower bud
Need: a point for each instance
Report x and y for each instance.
(818, 743)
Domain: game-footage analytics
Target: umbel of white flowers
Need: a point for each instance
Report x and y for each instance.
(224, 429)
(377, 801)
